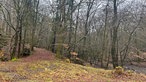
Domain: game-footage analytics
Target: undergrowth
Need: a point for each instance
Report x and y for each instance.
(61, 71)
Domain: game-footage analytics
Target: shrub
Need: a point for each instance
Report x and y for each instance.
(3, 40)
(119, 70)
(26, 52)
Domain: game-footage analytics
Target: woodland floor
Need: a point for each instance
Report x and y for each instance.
(42, 66)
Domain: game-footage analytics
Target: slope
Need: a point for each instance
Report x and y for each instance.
(42, 66)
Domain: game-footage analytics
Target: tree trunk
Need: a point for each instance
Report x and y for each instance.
(114, 36)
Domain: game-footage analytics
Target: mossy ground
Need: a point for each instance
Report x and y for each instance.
(59, 71)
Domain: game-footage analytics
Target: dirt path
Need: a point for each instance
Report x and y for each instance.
(39, 54)
(9, 70)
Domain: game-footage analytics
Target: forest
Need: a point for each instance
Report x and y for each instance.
(86, 36)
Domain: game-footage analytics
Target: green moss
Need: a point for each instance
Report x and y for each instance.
(14, 59)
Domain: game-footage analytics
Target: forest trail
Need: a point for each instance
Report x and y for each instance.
(9, 70)
(39, 54)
